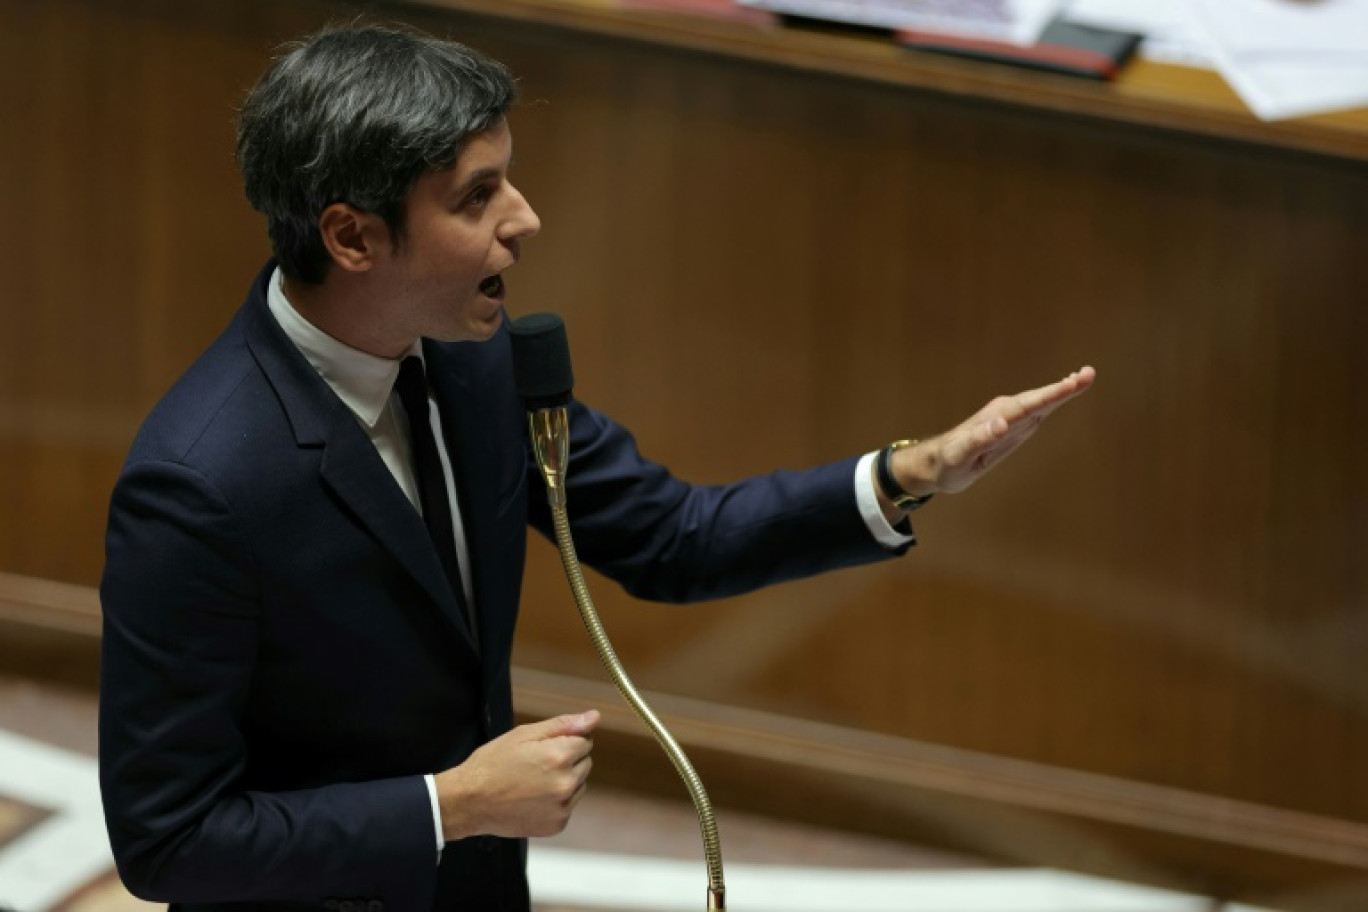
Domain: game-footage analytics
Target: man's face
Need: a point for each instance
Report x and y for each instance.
(464, 226)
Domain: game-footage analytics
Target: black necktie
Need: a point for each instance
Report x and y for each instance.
(432, 489)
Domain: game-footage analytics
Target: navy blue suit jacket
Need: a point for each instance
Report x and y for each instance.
(284, 660)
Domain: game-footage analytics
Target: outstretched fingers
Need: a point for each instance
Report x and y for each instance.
(1025, 411)
(1045, 399)
(971, 449)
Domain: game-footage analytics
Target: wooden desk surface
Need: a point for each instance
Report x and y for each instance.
(1186, 99)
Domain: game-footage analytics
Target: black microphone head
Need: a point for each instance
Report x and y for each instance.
(541, 360)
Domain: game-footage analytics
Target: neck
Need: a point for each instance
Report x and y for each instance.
(345, 311)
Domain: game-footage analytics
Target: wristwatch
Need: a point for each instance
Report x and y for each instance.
(883, 471)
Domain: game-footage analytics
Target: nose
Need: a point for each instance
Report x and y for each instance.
(523, 221)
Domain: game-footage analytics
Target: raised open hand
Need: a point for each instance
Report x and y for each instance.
(953, 461)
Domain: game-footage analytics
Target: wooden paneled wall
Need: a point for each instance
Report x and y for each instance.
(763, 267)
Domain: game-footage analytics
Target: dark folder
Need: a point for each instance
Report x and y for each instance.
(1063, 47)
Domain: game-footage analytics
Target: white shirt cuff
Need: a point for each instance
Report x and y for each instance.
(436, 815)
(868, 502)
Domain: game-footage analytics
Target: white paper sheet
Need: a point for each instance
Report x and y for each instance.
(1293, 86)
(1285, 27)
(1288, 58)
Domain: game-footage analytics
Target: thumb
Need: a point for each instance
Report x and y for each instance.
(562, 726)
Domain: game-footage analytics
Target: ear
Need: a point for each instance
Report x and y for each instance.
(352, 237)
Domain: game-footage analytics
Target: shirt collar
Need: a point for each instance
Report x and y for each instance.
(361, 380)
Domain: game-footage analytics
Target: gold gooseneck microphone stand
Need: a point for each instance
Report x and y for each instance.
(540, 349)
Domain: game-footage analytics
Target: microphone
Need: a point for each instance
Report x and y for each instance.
(541, 360)
(541, 371)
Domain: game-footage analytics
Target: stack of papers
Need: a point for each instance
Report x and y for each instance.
(1013, 21)
(1285, 58)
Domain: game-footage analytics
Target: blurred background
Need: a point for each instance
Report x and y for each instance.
(1136, 652)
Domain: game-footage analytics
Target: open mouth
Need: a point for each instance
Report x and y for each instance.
(493, 287)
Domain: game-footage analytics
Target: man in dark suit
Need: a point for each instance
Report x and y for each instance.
(315, 548)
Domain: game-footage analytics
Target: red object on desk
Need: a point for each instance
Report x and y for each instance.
(1063, 47)
(712, 9)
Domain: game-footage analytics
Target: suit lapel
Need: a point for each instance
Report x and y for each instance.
(350, 465)
(357, 474)
(451, 384)
(462, 380)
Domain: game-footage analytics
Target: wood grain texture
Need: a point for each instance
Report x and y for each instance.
(1192, 101)
(764, 264)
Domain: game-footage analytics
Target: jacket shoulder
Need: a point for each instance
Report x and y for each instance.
(219, 399)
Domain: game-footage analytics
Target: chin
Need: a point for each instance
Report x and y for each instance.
(473, 331)
(483, 320)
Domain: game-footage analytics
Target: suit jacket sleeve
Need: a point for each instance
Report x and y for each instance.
(667, 540)
(182, 632)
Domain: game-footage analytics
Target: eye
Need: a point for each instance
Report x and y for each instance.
(478, 197)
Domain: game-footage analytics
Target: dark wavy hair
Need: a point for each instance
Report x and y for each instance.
(356, 115)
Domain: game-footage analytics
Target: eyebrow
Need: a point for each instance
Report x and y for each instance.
(478, 177)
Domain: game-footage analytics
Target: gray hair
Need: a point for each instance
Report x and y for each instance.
(356, 115)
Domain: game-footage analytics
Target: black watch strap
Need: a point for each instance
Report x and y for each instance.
(883, 471)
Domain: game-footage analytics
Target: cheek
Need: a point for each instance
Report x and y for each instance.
(458, 253)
